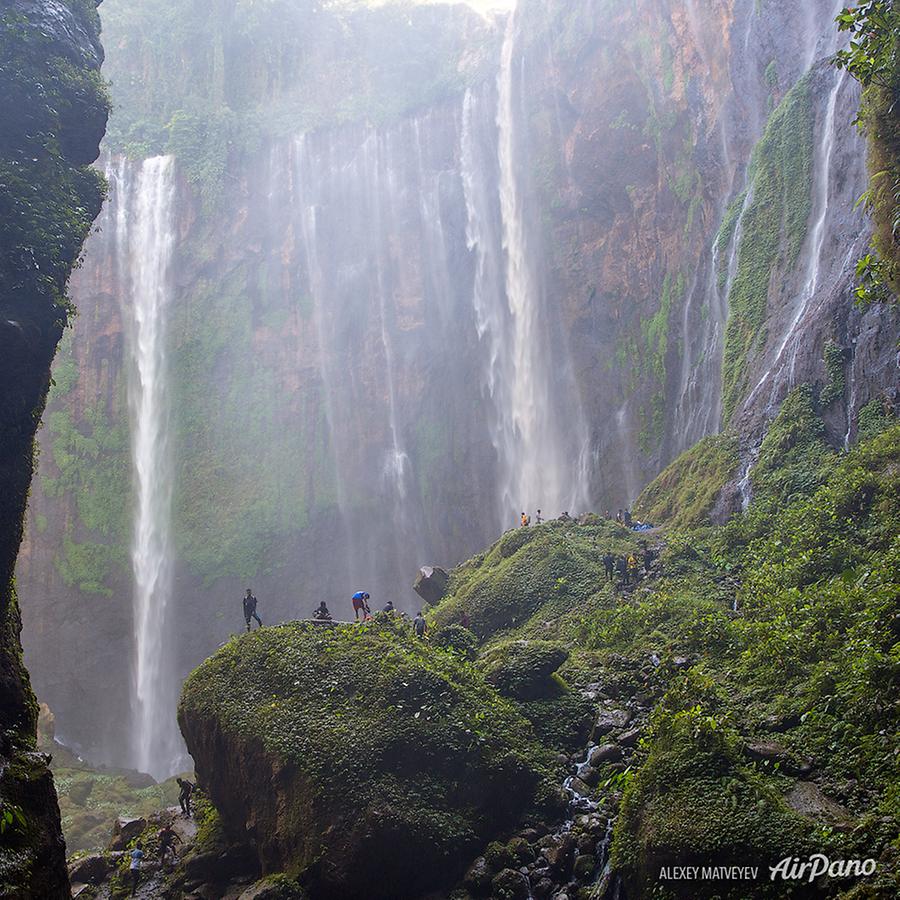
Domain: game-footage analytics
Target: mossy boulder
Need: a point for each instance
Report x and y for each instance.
(359, 759)
(524, 669)
(694, 803)
(528, 570)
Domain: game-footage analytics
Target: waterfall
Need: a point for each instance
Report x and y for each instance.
(145, 239)
(540, 437)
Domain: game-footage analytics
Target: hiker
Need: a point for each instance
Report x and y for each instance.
(606, 514)
(250, 609)
(389, 606)
(137, 856)
(539, 519)
(622, 569)
(167, 838)
(361, 605)
(184, 795)
(619, 517)
(525, 520)
(649, 556)
(627, 518)
(464, 619)
(609, 564)
(419, 625)
(632, 568)
(321, 614)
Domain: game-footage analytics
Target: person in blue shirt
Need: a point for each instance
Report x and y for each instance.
(361, 605)
(137, 857)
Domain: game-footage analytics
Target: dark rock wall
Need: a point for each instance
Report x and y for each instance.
(54, 114)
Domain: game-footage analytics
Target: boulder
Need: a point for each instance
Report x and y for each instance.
(126, 830)
(91, 869)
(279, 721)
(806, 798)
(630, 738)
(611, 719)
(478, 877)
(762, 751)
(431, 584)
(510, 885)
(605, 753)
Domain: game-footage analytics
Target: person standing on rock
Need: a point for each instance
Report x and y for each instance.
(539, 518)
(622, 569)
(419, 625)
(137, 857)
(250, 609)
(184, 795)
(321, 613)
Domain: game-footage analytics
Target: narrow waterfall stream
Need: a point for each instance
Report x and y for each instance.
(146, 238)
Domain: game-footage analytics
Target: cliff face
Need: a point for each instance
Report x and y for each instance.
(54, 113)
(539, 261)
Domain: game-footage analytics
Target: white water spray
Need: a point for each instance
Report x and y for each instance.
(145, 226)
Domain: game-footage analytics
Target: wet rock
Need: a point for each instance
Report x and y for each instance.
(509, 885)
(124, 831)
(577, 785)
(610, 719)
(560, 854)
(630, 738)
(589, 775)
(584, 866)
(806, 798)
(431, 584)
(478, 878)
(267, 890)
(91, 869)
(542, 889)
(782, 723)
(605, 753)
(586, 844)
(774, 754)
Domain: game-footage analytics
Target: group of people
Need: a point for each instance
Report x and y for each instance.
(629, 567)
(166, 837)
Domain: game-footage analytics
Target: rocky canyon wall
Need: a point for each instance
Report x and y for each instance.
(584, 239)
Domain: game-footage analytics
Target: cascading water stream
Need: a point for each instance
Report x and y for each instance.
(146, 238)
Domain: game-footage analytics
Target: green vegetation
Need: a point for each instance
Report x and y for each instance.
(873, 58)
(402, 748)
(834, 369)
(773, 230)
(684, 493)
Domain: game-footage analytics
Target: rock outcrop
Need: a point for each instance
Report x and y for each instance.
(54, 114)
(358, 757)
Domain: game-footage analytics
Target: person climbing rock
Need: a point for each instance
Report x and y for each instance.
(361, 605)
(137, 857)
(250, 609)
(538, 518)
(186, 792)
(389, 607)
(167, 838)
(419, 625)
(321, 613)
(609, 564)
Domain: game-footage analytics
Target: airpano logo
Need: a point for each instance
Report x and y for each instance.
(792, 869)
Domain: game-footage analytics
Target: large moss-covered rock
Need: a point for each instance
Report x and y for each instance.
(693, 803)
(360, 759)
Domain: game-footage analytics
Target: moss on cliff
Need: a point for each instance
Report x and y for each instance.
(390, 759)
(683, 494)
(773, 229)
